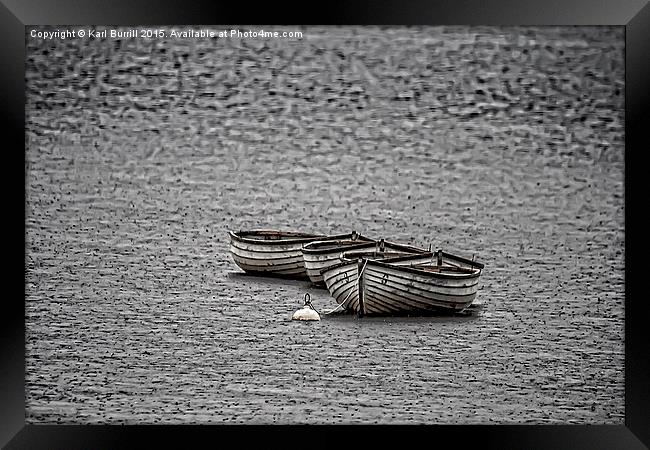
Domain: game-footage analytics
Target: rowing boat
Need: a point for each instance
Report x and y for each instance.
(272, 252)
(369, 284)
(320, 255)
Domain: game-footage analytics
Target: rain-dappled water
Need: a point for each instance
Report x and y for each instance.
(504, 143)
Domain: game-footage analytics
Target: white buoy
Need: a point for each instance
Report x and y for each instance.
(307, 312)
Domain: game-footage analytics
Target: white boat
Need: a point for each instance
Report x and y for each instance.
(369, 284)
(272, 252)
(320, 255)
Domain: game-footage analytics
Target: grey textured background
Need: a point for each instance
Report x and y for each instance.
(505, 142)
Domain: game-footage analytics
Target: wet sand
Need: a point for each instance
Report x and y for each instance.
(504, 143)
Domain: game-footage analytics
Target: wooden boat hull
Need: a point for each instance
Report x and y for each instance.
(273, 253)
(341, 282)
(390, 289)
(341, 278)
(404, 286)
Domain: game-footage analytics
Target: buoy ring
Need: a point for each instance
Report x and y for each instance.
(307, 312)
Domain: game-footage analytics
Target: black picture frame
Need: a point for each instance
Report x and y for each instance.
(634, 15)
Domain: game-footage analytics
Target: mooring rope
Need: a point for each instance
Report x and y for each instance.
(356, 286)
(309, 304)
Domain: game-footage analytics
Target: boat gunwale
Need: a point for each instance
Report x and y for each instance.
(293, 237)
(412, 269)
(415, 270)
(428, 254)
(364, 242)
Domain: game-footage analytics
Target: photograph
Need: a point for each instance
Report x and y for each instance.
(398, 222)
(325, 224)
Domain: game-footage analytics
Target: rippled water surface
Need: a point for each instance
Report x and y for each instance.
(504, 143)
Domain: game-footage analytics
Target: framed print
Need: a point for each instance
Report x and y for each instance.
(243, 222)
